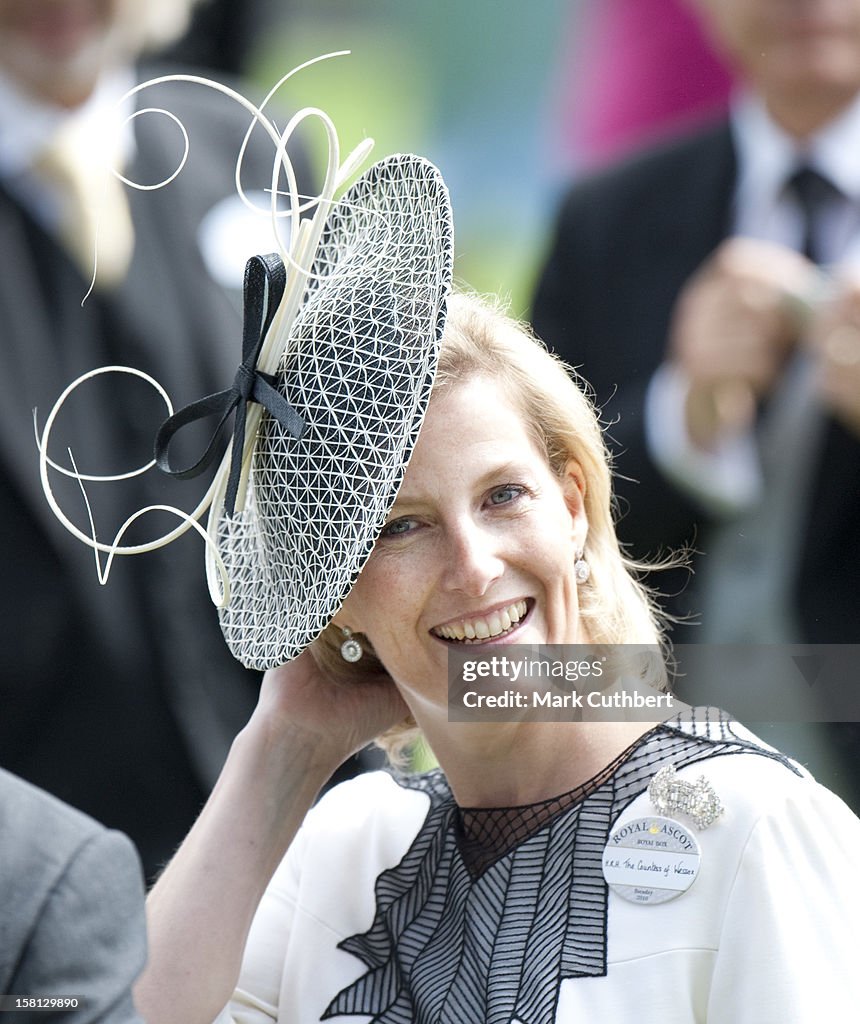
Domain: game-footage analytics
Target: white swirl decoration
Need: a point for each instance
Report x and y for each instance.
(307, 215)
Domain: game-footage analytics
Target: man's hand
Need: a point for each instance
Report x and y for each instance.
(733, 326)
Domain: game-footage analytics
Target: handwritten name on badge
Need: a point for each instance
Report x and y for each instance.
(651, 860)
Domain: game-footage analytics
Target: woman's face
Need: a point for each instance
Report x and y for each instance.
(479, 547)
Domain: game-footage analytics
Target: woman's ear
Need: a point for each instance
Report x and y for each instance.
(574, 487)
(347, 616)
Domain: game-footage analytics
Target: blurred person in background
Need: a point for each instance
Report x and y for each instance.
(687, 285)
(225, 36)
(122, 701)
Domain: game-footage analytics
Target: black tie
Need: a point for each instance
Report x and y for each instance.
(812, 192)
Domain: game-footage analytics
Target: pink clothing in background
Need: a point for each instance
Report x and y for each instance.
(642, 69)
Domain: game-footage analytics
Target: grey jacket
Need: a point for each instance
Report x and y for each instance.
(71, 909)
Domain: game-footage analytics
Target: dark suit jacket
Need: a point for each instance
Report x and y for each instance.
(71, 909)
(120, 699)
(625, 243)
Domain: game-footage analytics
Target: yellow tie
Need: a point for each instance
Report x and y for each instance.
(95, 223)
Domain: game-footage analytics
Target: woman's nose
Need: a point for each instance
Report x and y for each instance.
(473, 560)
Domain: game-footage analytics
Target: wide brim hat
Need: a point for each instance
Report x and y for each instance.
(358, 368)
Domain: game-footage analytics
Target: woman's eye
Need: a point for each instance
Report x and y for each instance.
(506, 494)
(398, 527)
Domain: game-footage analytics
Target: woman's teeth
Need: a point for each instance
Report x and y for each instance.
(495, 624)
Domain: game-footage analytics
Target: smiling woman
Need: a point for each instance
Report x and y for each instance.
(507, 492)
(492, 888)
(426, 481)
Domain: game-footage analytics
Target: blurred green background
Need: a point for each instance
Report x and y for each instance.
(466, 84)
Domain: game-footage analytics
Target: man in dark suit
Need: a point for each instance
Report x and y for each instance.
(684, 285)
(72, 921)
(120, 699)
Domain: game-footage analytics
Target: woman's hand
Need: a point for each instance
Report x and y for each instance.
(336, 717)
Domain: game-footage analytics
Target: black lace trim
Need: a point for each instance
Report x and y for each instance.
(485, 834)
(451, 946)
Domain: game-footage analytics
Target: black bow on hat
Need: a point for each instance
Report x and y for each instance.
(265, 279)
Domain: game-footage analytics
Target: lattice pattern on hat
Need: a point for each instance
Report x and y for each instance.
(358, 368)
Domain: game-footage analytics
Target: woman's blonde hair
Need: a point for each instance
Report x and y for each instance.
(481, 340)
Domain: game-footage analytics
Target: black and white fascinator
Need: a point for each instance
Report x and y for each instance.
(341, 342)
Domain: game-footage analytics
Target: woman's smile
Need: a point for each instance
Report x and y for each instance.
(483, 627)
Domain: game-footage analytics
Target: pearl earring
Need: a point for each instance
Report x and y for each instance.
(581, 569)
(350, 650)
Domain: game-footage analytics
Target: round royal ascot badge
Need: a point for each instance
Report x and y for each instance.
(651, 860)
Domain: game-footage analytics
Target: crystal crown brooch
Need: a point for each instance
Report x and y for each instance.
(698, 800)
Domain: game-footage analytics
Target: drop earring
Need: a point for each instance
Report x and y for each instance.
(350, 650)
(581, 569)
